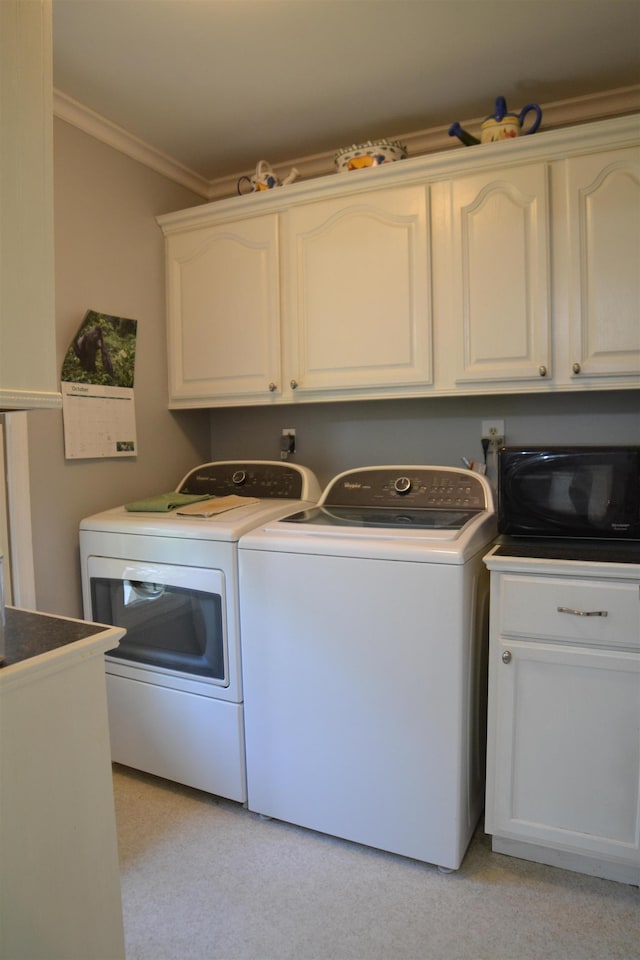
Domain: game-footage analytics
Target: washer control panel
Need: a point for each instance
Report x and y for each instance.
(420, 487)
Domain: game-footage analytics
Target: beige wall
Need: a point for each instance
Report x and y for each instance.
(332, 437)
(109, 258)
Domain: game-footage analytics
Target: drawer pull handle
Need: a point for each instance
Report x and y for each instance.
(584, 613)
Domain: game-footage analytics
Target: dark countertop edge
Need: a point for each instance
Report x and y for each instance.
(30, 634)
(592, 555)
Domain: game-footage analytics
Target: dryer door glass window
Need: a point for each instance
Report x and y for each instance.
(173, 627)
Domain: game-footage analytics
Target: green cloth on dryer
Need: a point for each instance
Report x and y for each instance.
(164, 502)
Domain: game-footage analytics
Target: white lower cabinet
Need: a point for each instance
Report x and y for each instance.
(60, 896)
(563, 752)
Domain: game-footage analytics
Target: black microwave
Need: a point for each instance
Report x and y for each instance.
(581, 492)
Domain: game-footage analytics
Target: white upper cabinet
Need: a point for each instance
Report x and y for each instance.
(501, 268)
(339, 304)
(599, 261)
(28, 367)
(495, 250)
(224, 308)
(357, 307)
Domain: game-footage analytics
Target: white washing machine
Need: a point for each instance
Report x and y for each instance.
(365, 629)
(174, 684)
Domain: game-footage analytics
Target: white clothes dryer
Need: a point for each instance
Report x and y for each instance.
(174, 684)
(365, 628)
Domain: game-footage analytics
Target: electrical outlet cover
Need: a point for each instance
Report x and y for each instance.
(492, 429)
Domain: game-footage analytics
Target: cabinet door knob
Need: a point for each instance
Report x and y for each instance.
(294, 384)
(542, 370)
(272, 387)
(506, 656)
(576, 368)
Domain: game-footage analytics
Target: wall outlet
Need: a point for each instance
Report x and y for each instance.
(493, 430)
(287, 442)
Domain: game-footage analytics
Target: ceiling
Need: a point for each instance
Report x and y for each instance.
(218, 84)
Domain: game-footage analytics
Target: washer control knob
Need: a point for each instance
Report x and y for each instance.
(239, 477)
(402, 485)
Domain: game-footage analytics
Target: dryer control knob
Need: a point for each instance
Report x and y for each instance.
(239, 477)
(402, 485)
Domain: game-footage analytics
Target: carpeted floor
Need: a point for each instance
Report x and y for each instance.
(205, 879)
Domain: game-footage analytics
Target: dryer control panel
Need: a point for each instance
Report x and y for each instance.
(249, 478)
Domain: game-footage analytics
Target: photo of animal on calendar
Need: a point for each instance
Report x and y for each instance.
(102, 351)
(97, 388)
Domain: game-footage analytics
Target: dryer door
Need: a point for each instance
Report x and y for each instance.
(175, 616)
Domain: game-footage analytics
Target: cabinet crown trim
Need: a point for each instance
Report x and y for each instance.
(547, 146)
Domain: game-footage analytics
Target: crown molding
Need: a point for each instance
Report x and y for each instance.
(97, 126)
(561, 113)
(550, 145)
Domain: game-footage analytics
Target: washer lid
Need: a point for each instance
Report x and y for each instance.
(407, 507)
(384, 517)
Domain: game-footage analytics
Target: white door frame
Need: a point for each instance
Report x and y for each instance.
(4, 527)
(18, 488)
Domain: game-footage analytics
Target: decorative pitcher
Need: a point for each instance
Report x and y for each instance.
(265, 178)
(501, 125)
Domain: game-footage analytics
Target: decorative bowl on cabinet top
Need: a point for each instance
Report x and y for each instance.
(373, 153)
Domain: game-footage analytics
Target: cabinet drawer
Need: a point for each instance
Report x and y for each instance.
(586, 611)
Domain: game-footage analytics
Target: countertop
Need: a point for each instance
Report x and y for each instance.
(32, 637)
(581, 559)
(589, 551)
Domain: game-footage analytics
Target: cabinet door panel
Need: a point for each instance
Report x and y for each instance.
(500, 274)
(224, 337)
(359, 308)
(604, 219)
(565, 758)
